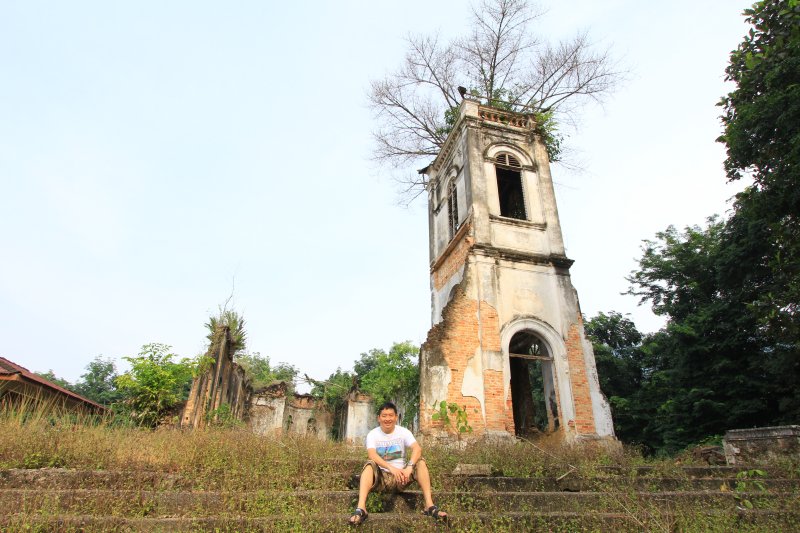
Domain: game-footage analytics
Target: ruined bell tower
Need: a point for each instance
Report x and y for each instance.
(507, 343)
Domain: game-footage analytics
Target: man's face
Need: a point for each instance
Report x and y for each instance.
(387, 419)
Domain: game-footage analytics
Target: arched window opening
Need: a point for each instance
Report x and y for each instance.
(311, 426)
(509, 186)
(452, 208)
(533, 394)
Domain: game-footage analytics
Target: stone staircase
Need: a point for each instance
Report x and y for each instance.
(603, 499)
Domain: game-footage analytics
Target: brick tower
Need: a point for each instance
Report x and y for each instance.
(507, 343)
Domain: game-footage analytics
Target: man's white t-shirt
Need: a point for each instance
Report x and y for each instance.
(391, 447)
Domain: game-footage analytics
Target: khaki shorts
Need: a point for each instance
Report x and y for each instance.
(383, 481)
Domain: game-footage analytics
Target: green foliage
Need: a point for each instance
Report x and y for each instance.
(547, 128)
(223, 417)
(99, 382)
(714, 366)
(35, 460)
(333, 393)
(762, 135)
(452, 415)
(256, 368)
(546, 124)
(762, 115)
(748, 481)
(622, 365)
(260, 373)
(729, 355)
(392, 376)
(285, 372)
(51, 377)
(234, 322)
(155, 383)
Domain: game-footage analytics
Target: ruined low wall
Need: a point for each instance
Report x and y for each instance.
(273, 411)
(760, 445)
(303, 416)
(266, 415)
(269, 411)
(359, 418)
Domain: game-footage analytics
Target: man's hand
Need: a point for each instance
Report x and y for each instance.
(401, 476)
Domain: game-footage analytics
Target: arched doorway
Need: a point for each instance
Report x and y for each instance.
(533, 394)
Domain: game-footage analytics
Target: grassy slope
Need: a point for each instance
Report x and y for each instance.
(233, 459)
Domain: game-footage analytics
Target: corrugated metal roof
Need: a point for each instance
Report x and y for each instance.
(9, 368)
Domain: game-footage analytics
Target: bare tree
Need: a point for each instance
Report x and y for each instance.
(500, 62)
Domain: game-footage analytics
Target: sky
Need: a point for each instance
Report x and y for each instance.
(158, 159)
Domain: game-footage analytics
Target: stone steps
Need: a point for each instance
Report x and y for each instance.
(740, 521)
(344, 478)
(599, 484)
(132, 503)
(610, 499)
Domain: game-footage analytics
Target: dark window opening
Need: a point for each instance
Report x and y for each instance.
(452, 209)
(509, 189)
(311, 426)
(533, 394)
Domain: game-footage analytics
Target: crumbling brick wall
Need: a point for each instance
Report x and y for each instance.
(467, 328)
(581, 397)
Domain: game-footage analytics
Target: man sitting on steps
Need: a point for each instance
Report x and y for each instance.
(387, 469)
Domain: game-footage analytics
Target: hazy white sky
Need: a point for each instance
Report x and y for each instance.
(154, 154)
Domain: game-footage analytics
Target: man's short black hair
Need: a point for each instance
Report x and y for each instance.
(387, 405)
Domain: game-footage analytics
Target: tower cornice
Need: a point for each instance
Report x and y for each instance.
(495, 252)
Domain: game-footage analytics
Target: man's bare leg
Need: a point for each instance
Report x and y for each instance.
(424, 481)
(364, 486)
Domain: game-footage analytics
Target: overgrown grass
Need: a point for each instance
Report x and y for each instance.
(214, 458)
(269, 472)
(234, 457)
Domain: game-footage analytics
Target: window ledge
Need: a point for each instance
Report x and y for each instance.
(518, 222)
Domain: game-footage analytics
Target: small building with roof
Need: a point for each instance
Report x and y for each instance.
(21, 387)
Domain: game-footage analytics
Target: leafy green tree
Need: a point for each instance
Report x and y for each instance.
(51, 377)
(620, 367)
(155, 384)
(99, 382)
(258, 369)
(286, 372)
(386, 376)
(762, 134)
(392, 376)
(713, 366)
(333, 392)
(729, 355)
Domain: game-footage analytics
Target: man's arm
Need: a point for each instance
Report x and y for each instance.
(416, 453)
(401, 476)
(372, 453)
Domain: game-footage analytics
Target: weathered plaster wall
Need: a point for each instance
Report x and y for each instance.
(266, 415)
(359, 419)
(303, 416)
